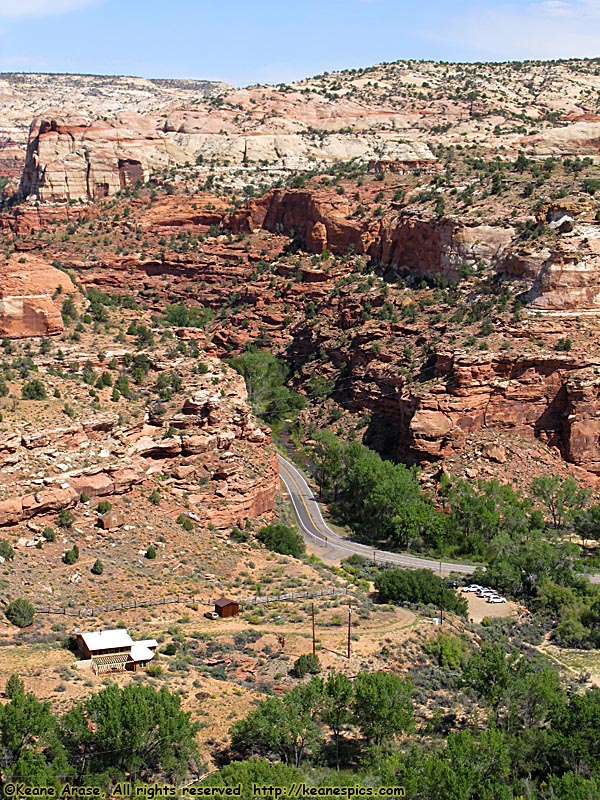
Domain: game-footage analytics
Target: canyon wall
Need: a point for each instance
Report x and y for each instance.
(406, 243)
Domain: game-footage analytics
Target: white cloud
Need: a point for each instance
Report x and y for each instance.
(545, 29)
(40, 8)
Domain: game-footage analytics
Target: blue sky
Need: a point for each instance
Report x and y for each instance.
(256, 41)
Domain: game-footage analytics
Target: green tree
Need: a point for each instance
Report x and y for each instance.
(587, 522)
(327, 457)
(419, 586)
(337, 712)
(561, 498)
(254, 771)
(14, 686)
(488, 672)
(34, 390)
(20, 612)
(382, 705)
(265, 378)
(287, 728)
(30, 744)
(135, 729)
(282, 539)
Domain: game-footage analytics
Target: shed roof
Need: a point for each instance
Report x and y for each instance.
(225, 601)
(139, 652)
(103, 640)
(150, 643)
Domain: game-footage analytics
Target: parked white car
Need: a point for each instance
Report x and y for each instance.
(496, 599)
(472, 588)
(486, 592)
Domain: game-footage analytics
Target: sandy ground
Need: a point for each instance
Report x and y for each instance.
(480, 608)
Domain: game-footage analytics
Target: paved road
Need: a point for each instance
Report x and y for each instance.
(317, 532)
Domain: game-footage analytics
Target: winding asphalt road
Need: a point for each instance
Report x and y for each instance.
(316, 531)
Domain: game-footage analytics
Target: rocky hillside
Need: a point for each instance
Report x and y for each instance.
(110, 133)
(99, 416)
(431, 277)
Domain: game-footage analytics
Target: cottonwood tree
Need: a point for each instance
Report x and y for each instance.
(135, 730)
(337, 711)
(382, 705)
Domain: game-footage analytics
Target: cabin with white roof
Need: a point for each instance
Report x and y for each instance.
(115, 651)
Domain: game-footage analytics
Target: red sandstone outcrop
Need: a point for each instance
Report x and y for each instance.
(30, 295)
(550, 397)
(420, 246)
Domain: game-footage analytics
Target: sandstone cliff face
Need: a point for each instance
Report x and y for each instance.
(439, 247)
(553, 398)
(79, 159)
(28, 304)
(567, 280)
(408, 243)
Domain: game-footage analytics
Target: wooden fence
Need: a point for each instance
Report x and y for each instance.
(286, 597)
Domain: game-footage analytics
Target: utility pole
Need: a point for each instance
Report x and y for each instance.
(313, 631)
(349, 628)
(441, 596)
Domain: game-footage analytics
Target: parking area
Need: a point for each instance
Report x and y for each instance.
(479, 608)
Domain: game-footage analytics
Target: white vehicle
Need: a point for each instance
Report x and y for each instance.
(487, 593)
(496, 599)
(473, 588)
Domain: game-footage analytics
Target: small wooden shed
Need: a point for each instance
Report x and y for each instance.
(225, 607)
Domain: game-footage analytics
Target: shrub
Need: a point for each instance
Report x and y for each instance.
(169, 649)
(418, 586)
(564, 345)
(6, 550)
(150, 552)
(185, 522)
(20, 612)
(97, 567)
(154, 497)
(103, 507)
(307, 664)
(65, 518)
(49, 534)
(71, 556)
(282, 539)
(238, 536)
(34, 390)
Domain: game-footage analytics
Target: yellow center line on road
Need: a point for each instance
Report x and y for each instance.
(299, 490)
